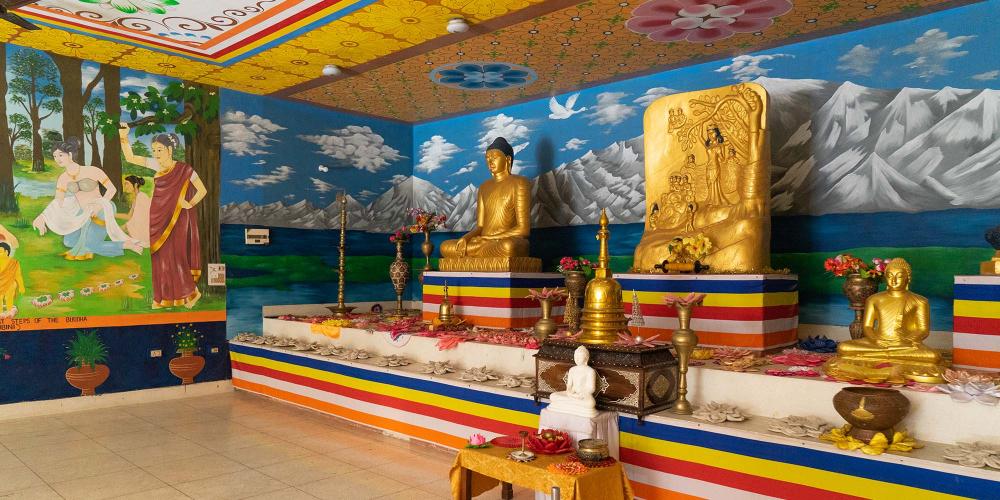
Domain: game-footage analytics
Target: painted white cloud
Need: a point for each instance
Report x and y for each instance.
(653, 94)
(987, 76)
(746, 67)
(860, 60)
(260, 162)
(289, 196)
(247, 135)
(469, 167)
(357, 146)
(88, 73)
(518, 166)
(396, 179)
(513, 129)
(573, 144)
(366, 193)
(138, 84)
(434, 152)
(321, 186)
(276, 176)
(932, 52)
(323, 168)
(610, 110)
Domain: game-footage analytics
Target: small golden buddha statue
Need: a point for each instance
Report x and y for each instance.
(499, 242)
(896, 322)
(716, 140)
(603, 316)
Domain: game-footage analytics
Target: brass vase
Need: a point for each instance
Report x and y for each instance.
(858, 289)
(399, 274)
(684, 341)
(546, 325)
(576, 284)
(428, 248)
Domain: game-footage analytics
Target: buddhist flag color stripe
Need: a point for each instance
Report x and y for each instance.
(976, 337)
(663, 460)
(757, 312)
(497, 300)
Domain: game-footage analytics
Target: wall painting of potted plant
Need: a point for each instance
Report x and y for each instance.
(187, 366)
(86, 354)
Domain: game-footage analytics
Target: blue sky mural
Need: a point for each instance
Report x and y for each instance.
(275, 150)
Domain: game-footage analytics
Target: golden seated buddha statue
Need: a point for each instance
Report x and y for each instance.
(707, 171)
(896, 322)
(499, 242)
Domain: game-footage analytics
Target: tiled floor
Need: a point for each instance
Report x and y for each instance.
(228, 446)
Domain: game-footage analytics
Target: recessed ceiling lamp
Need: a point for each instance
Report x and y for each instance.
(331, 70)
(457, 25)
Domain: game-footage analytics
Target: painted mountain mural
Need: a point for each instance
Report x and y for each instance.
(836, 148)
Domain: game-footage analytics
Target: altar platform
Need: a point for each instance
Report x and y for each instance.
(754, 311)
(667, 456)
(492, 300)
(976, 337)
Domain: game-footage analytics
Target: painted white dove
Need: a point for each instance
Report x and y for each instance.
(560, 112)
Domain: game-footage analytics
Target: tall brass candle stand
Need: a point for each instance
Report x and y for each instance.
(341, 310)
(684, 341)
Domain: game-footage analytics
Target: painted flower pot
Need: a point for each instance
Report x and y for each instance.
(187, 366)
(871, 410)
(87, 378)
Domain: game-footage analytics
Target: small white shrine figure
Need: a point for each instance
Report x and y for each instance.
(581, 382)
(636, 319)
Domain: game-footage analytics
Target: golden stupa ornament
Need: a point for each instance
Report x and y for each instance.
(603, 316)
(896, 323)
(707, 172)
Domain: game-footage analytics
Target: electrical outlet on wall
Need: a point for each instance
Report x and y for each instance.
(156, 353)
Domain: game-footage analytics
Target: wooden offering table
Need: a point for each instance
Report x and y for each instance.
(479, 470)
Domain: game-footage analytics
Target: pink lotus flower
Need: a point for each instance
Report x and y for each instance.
(477, 440)
(798, 357)
(698, 21)
(555, 293)
(692, 299)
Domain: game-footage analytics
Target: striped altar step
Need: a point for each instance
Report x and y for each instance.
(495, 300)
(976, 340)
(753, 311)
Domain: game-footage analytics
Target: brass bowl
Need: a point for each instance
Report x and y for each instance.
(871, 410)
(592, 450)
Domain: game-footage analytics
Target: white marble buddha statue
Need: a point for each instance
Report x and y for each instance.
(581, 382)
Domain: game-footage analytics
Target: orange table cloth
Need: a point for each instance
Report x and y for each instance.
(490, 466)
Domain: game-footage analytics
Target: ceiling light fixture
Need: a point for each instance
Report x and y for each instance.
(457, 25)
(331, 70)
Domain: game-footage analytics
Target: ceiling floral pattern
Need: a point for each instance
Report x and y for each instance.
(592, 42)
(400, 63)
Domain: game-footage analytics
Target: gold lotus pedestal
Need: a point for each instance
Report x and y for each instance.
(491, 264)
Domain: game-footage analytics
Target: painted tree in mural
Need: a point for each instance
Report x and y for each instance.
(36, 89)
(193, 110)
(94, 106)
(112, 163)
(18, 129)
(75, 96)
(8, 202)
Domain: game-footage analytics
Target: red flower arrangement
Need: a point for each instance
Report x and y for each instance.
(567, 264)
(425, 221)
(845, 264)
(402, 234)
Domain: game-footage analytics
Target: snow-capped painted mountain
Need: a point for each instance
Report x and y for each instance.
(463, 215)
(835, 148)
(575, 192)
(868, 150)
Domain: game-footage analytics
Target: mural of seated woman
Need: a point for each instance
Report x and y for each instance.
(80, 213)
(137, 219)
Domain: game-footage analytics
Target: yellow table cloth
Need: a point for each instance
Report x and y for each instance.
(490, 466)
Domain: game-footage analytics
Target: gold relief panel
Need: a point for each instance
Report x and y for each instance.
(707, 165)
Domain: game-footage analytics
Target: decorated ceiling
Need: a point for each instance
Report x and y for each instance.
(398, 60)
